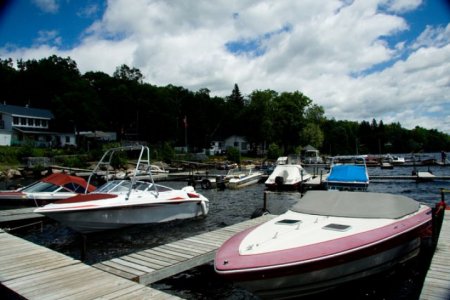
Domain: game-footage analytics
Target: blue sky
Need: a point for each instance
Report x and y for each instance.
(361, 60)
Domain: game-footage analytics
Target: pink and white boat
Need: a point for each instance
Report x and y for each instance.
(324, 240)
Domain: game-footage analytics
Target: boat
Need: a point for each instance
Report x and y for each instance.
(125, 202)
(347, 173)
(242, 177)
(287, 177)
(51, 188)
(324, 240)
(311, 156)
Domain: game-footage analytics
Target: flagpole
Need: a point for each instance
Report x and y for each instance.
(185, 133)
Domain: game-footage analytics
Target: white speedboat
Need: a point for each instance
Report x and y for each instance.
(46, 190)
(287, 177)
(348, 173)
(324, 240)
(120, 203)
(242, 177)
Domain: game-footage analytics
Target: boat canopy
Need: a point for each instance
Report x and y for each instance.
(348, 173)
(356, 205)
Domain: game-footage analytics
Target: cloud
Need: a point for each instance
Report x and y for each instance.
(88, 11)
(335, 52)
(48, 6)
(48, 37)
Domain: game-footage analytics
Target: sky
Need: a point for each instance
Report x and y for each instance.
(360, 60)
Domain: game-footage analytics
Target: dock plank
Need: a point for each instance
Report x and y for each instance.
(437, 281)
(47, 274)
(178, 256)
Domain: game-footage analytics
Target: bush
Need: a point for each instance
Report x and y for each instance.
(233, 154)
(274, 151)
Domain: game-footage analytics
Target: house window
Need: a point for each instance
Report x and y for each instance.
(243, 146)
(67, 139)
(30, 122)
(16, 120)
(37, 123)
(44, 123)
(236, 144)
(23, 121)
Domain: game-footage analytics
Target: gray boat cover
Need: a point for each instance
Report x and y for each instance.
(355, 204)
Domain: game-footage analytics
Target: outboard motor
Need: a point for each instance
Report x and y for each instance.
(279, 180)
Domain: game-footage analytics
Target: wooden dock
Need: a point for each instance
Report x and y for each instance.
(19, 214)
(437, 282)
(30, 271)
(160, 262)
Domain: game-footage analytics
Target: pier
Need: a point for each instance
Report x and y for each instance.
(30, 271)
(163, 261)
(19, 215)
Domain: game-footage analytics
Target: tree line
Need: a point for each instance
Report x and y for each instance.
(174, 115)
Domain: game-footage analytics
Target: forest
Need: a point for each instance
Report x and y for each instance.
(170, 114)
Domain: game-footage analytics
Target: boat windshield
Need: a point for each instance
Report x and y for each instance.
(41, 187)
(116, 186)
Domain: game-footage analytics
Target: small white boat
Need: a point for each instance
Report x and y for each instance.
(287, 177)
(46, 190)
(242, 177)
(120, 203)
(348, 173)
(326, 239)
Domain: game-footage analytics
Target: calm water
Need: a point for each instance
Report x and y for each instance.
(226, 208)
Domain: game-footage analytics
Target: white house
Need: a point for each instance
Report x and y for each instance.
(237, 142)
(24, 124)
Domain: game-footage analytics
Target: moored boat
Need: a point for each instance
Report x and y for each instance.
(120, 203)
(242, 177)
(46, 190)
(326, 239)
(287, 175)
(348, 173)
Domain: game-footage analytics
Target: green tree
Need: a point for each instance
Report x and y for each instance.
(289, 118)
(124, 72)
(313, 135)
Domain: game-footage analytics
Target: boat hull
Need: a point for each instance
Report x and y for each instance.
(105, 218)
(240, 183)
(287, 178)
(295, 281)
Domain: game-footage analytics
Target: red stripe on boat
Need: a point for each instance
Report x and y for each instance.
(86, 198)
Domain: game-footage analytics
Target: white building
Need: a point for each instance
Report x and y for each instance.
(23, 124)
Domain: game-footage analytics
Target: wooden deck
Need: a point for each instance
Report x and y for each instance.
(30, 271)
(154, 264)
(437, 282)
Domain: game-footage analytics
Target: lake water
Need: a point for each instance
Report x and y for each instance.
(228, 207)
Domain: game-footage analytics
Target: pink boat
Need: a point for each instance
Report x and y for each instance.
(324, 240)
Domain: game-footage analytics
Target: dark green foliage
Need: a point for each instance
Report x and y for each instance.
(135, 110)
(274, 151)
(234, 155)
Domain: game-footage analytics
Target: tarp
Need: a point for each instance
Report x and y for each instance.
(356, 204)
(348, 173)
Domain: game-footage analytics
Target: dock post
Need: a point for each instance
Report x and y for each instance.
(83, 247)
(438, 216)
(265, 201)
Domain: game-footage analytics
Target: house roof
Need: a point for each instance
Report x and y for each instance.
(26, 111)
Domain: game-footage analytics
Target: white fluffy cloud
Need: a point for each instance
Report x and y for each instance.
(335, 52)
